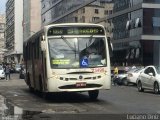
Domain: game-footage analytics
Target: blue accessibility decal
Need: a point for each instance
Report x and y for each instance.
(84, 62)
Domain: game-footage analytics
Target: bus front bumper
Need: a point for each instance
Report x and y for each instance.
(78, 86)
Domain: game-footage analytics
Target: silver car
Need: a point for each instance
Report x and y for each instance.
(2, 73)
(149, 79)
(133, 75)
(17, 68)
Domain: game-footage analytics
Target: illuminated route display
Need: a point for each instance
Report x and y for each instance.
(89, 30)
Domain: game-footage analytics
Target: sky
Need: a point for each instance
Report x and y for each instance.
(2, 6)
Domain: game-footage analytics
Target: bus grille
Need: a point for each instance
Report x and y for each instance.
(74, 86)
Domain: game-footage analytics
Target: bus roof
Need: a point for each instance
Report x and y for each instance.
(46, 27)
(73, 24)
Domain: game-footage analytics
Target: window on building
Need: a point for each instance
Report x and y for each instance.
(83, 10)
(1, 35)
(44, 19)
(43, 6)
(95, 18)
(106, 12)
(156, 21)
(83, 18)
(110, 12)
(76, 19)
(138, 22)
(96, 11)
(128, 25)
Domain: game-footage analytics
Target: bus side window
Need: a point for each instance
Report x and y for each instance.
(34, 50)
(37, 48)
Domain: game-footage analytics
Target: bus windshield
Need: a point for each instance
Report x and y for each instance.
(77, 52)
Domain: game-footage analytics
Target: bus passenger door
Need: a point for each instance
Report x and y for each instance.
(44, 70)
(43, 62)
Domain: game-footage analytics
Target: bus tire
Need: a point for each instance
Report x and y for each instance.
(93, 95)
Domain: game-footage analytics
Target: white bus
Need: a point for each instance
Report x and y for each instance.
(69, 57)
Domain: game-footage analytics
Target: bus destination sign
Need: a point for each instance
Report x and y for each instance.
(76, 31)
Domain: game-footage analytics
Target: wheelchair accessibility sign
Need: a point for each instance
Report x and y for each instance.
(84, 62)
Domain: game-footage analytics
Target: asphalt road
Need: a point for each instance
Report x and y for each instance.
(120, 101)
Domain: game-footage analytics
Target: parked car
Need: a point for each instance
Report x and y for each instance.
(149, 79)
(17, 68)
(118, 79)
(22, 73)
(132, 75)
(122, 77)
(12, 70)
(2, 73)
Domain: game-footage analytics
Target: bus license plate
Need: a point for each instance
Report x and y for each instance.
(80, 84)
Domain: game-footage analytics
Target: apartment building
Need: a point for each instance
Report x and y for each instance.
(31, 17)
(60, 11)
(108, 10)
(136, 32)
(88, 14)
(14, 31)
(88, 11)
(2, 37)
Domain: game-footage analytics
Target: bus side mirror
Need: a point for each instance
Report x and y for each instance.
(110, 46)
(43, 45)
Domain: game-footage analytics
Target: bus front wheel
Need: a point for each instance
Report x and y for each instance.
(93, 95)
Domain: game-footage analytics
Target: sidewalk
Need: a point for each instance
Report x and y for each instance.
(15, 81)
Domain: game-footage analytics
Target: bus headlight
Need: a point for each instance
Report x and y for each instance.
(56, 76)
(105, 72)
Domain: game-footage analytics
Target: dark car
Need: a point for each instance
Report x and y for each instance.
(22, 73)
(12, 70)
(18, 68)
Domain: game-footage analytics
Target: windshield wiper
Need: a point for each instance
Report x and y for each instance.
(69, 45)
(90, 41)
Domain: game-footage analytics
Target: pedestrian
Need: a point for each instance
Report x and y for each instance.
(7, 72)
(126, 69)
(115, 70)
(115, 78)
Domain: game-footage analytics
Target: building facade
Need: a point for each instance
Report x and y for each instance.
(2, 37)
(88, 14)
(14, 31)
(108, 10)
(136, 32)
(84, 11)
(31, 17)
(60, 11)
